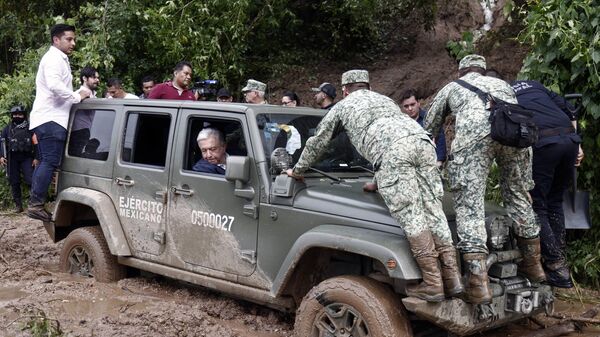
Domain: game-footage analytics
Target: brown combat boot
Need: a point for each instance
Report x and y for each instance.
(450, 274)
(531, 265)
(478, 290)
(423, 249)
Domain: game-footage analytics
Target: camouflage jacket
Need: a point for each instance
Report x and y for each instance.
(373, 122)
(471, 114)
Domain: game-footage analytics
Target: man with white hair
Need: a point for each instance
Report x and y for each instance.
(212, 145)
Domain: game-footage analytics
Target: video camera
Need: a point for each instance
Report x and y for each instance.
(207, 89)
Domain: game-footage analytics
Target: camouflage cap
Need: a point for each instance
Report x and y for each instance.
(355, 76)
(472, 60)
(254, 85)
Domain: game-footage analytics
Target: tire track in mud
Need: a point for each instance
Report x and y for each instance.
(146, 305)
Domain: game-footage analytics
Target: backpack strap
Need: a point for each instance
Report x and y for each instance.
(482, 94)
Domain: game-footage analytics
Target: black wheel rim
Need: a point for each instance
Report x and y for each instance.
(340, 320)
(80, 262)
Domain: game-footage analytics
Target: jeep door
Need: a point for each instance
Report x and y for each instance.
(140, 179)
(212, 229)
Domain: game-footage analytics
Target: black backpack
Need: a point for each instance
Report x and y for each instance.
(511, 124)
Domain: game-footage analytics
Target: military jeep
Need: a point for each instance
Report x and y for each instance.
(127, 197)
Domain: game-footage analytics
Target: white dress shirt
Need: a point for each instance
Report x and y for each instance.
(54, 90)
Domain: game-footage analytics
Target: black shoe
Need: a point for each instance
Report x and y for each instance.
(39, 213)
(19, 209)
(560, 278)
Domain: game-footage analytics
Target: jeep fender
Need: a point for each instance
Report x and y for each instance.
(377, 245)
(105, 211)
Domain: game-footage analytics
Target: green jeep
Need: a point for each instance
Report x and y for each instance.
(127, 196)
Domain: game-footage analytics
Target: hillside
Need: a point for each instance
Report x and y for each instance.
(417, 59)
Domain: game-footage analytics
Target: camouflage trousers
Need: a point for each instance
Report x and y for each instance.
(410, 184)
(468, 171)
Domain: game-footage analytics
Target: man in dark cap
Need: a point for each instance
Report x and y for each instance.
(223, 95)
(471, 156)
(17, 153)
(324, 96)
(555, 156)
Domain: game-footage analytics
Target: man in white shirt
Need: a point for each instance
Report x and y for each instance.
(50, 114)
(114, 89)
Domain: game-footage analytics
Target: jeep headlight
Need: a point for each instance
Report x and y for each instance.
(498, 228)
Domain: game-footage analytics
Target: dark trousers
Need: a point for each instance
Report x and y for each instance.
(553, 167)
(19, 165)
(51, 144)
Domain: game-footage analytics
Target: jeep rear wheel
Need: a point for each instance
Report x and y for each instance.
(351, 306)
(85, 253)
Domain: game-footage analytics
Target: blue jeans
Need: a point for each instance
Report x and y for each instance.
(51, 139)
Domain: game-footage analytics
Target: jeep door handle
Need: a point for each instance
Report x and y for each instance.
(124, 182)
(182, 191)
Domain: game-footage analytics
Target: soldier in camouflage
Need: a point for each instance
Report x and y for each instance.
(406, 172)
(254, 92)
(471, 155)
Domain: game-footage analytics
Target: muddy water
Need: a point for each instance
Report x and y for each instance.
(139, 305)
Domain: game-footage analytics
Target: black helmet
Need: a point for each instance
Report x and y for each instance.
(17, 109)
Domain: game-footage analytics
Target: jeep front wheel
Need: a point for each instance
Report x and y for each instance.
(85, 253)
(351, 306)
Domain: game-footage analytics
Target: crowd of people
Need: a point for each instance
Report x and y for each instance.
(396, 138)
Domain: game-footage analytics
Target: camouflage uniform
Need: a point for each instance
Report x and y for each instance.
(398, 147)
(471, 155)
(257, 86)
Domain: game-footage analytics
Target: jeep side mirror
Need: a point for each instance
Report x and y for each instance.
(238, 169)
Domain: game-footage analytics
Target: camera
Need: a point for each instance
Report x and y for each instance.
(206, 89)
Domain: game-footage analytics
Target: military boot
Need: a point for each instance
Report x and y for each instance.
(477, 282)
(423, 249)
(531, 265)
(450, 274)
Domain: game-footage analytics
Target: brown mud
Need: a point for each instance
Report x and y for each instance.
(143, 305)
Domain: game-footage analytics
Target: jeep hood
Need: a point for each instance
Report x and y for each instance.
(345, 199)
(349, 200)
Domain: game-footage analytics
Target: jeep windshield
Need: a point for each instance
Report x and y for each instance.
(289, 132)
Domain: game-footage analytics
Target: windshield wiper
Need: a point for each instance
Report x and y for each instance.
(332, 177)
(366, 169)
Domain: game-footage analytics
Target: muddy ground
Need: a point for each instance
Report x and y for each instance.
(140, 305)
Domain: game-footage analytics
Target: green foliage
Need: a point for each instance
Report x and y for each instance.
(225, 40)
(565, 56)
(39, 325)
(463, 47)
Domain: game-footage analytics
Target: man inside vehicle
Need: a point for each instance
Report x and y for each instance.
(212, 145)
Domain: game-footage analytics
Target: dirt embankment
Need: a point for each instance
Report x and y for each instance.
(416, 59)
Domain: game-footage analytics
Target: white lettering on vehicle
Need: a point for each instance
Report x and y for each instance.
(211, 220)
(140, 209)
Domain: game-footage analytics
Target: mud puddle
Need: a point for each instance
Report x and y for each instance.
(146, 305)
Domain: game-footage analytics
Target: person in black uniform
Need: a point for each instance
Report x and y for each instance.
(18, 153)
(555, 156)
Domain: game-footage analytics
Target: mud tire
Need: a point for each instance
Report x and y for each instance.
(85, 253)
(352, 299)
